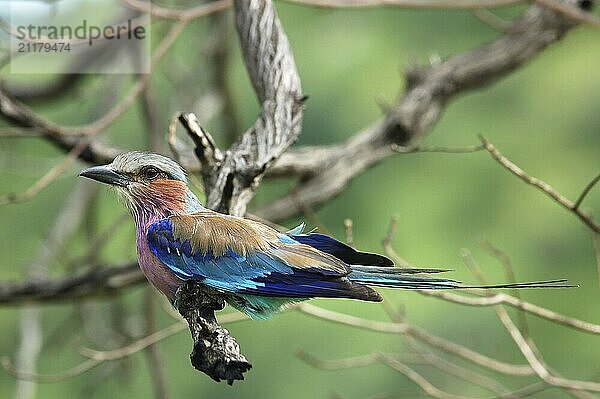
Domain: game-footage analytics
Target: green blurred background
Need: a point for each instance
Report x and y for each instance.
(545, 117)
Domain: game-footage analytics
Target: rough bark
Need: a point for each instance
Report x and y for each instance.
(215, 352)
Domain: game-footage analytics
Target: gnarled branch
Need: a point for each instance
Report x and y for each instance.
(329, 169)
(230, 180)
(272, 70)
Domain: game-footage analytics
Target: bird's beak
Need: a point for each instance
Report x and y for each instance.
(105, 174)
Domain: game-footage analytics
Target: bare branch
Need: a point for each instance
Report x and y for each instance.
(68, 138)
(450, 367)
(596, 245)
(151, 339)
(421, 335)
(230, 180)
(436, 148)
(47, 378)
(543, 186)
(153, 356)
(503, 299)
(348, 228)
(206, 150)
(99, 281)
(181, 15)
(528, 349)
(506, 263)
(386, 243)
(329, 169)
(31, 337)
(134, 347)
(443, 4)
(272, 70)
(219, 54)
(96, 358)
(491, 19)
(409, 358)
(585, 192)
(536, 364)
(418, 379)
(573, 12)
(405, 329)
(48, 178)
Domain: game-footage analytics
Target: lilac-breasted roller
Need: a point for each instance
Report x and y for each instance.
(256, 269)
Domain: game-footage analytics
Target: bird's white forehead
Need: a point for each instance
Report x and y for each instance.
(130, 162)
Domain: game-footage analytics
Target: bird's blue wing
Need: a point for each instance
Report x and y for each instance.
(338, 249)
(279, 267)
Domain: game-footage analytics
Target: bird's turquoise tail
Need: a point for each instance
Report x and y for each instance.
(396, 277)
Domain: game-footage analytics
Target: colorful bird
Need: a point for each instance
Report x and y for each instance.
(255, 268)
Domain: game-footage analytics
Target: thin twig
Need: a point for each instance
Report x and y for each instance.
(151, 118)
(503, 299)
(409, 358)
(386, 243)
(504, 260)
(443, 4)
(327, 170)
(434, 360)
(348, 231)
(540, 185)
(596, 245)
(421, 335)
(32, 339)
(180, 15)
(567, 10)
(536, 364)
(153, 356)
(435, 148)
(418, 379)
(206, 150)
(491, 19)
(585, 192)
(91, 130)
(47, 378)
(218, 53)
(49, 177)
(529, 349)
(151, 339)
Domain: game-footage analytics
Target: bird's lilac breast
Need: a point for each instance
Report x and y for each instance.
(156, 273)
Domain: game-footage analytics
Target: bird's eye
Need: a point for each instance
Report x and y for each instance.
(150, 172)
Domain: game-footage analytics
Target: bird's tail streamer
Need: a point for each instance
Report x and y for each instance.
(395, 277)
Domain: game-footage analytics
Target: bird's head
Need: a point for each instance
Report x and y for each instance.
(149, 183)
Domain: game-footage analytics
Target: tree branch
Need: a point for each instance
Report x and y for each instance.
(231, 179)
(545, 187)
(444, 4)
(429, 89)
(216, 353)
(403, 328)
(272, 70)
(99, 281)
(68, 138)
